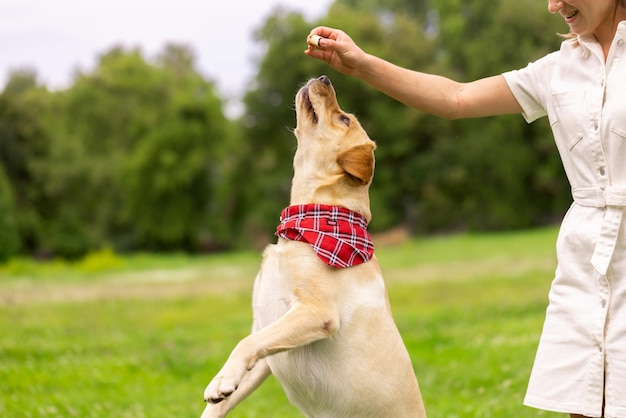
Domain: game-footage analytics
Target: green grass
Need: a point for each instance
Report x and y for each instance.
(142, 336)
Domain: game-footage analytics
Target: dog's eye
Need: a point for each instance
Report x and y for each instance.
(345, 119)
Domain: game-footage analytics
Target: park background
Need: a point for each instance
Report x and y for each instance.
(132, 209)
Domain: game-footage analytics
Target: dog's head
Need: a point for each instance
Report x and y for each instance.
(334, 162)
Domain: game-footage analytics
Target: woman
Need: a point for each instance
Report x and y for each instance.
(580, 366)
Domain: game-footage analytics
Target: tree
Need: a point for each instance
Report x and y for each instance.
(9, 234)
(138, 155)
(177, 174)
(431, 174)
(172, 176)
(494, 171)
(24, 145)
(131, 162)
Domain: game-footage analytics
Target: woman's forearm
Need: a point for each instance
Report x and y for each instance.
(436, 94)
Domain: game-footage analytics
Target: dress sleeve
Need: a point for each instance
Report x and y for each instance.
(531, 86)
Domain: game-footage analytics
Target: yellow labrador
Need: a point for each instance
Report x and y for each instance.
(322, 320)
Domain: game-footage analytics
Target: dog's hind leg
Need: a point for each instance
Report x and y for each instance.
(249, 383)
(301, 325)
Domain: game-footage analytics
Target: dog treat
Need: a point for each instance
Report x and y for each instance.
(314, 40)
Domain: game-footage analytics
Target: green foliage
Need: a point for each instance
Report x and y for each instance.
(489, 173)
(134, 154)
(24, 144)
(9, 236)
(116, 114)
(103, 260)
(431, 174)
(137, 154)
(169, 179)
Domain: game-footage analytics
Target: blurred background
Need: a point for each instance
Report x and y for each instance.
(166, 126)
(146, 154)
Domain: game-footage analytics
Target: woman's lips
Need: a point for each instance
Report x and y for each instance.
(569, 17)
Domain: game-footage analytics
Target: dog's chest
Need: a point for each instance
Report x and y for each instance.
(273, 292)
(291, 267)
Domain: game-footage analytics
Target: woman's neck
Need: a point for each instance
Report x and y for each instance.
(605, 33)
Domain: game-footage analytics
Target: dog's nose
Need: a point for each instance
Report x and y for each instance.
(324, 79)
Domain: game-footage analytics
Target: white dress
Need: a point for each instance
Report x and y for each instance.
(581, 357)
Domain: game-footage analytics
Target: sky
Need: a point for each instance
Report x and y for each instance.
(58, 37)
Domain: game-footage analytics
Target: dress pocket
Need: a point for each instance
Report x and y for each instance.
(565, 117)
(619, 132)
(617, 151)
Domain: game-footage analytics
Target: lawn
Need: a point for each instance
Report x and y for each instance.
(141, 336)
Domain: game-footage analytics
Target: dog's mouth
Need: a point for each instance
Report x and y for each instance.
(308, 104)
(321, 87)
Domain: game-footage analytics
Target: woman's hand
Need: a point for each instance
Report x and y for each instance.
(337, 49)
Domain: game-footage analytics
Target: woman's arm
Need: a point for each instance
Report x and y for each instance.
(426, 92)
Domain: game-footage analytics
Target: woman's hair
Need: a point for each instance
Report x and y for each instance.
(573, 36)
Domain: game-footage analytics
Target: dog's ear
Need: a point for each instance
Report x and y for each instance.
(358, 162)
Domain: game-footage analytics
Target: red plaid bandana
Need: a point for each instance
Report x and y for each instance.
(339, 236)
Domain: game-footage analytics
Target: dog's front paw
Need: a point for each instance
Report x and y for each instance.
(223, 385)
(219, 389)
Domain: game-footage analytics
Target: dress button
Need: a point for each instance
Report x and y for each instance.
(604, 303)
(601, 170)
(595, 126)
(620, 43)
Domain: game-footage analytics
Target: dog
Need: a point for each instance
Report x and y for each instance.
(322, 319)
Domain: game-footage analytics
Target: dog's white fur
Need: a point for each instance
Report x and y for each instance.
(326, 333)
